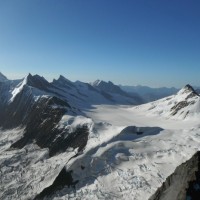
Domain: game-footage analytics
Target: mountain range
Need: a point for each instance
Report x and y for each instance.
(70, 140)
(38, 105)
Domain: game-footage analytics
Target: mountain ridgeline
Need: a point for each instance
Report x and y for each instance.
(38, 105)
(50, 148)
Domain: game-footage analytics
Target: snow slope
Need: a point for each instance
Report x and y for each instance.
(26, 172)
(130, 163)
(117, 163)
(184, 105)
(131, 169)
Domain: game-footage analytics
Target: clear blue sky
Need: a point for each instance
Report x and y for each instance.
(147, 42)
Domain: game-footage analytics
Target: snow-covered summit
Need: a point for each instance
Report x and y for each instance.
(103, 84)
(96, 83)
(108, 87)
(2, 77)
(185, 104)
(188, 89)
(35, 84)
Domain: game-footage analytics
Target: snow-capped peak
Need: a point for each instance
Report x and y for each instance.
(100, 83)
(96, 83)
(19, 88)
(105, 86)
(30, 81)
(2, 77)
(188, 89)
(108, 87)
(185, 104)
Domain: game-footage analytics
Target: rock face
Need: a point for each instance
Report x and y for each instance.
(2, 77)
(64, 178)
(43, 129)
(193, 190)
(174, 188)
(36, 104)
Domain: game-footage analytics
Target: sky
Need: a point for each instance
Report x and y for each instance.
(129, 42)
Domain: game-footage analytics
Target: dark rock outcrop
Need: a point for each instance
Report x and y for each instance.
(174, 188)
(63, 179)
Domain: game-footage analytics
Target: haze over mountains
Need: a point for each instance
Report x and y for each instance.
(71, 140)
(150, 94)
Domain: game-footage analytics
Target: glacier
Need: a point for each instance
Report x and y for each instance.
(75, 140)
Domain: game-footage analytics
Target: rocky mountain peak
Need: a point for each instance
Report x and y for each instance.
(106, 86)
(188, 89)
(36, 81)
(96, 83)
(62, 81)
(3, 77)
